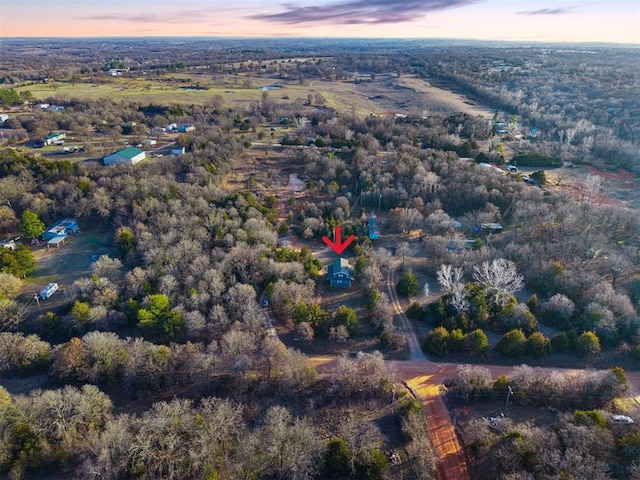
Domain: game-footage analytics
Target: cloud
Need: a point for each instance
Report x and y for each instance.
(355, 12)
(548, 11)
(190, 16)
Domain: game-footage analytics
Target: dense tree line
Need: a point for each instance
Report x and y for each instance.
(583, 440)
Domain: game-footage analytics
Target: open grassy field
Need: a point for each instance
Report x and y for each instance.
(441, 100)
(385, 95)
(141, 90)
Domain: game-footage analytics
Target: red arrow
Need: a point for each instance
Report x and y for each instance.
(338, 246)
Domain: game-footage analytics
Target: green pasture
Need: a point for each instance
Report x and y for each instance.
(342, 96)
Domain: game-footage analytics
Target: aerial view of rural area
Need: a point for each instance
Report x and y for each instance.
(320, 240)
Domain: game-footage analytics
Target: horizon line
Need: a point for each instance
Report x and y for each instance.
(293, 37)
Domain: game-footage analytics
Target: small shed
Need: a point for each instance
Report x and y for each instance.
(177, 150)
(284, 242)
(454, 224)
(56, 241)
(340, 274)
(491, 227)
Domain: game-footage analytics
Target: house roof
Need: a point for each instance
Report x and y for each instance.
(53, 135)
(340, 265)
(129, 152)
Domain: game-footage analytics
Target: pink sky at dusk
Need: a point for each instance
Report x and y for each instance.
(594, 21)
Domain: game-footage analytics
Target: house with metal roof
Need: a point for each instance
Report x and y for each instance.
(54, 138)
(61, 228)
(126, 156)
(372, 226)
(340, 274)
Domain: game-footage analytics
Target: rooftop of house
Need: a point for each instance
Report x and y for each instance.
(340, 265)
(129, 152)
(54, 135)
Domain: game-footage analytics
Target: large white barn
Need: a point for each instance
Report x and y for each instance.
(126, 156)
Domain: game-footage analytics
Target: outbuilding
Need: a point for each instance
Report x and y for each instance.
(372, 227)
(126, 156)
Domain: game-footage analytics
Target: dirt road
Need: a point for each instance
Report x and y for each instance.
(424, 381)
(399, 315)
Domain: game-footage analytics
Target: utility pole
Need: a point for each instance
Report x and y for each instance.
(509, 392)
(38, 302)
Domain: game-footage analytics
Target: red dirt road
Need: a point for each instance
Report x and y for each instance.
(426, 387)
(424, 378)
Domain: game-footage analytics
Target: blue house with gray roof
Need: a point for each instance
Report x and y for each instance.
(340, 273)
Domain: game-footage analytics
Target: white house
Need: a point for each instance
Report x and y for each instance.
(126, 156)
(177, 150)
(116, 72)
(55, 138)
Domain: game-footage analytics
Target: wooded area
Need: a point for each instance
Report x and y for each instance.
(184, 347)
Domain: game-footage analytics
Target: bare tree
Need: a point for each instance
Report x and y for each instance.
(292, 447)
(449, 278)
(340, 334)
(363, 438)
(403, 251)
(592, 186)
(110, 268)
(499, 278)
(372, 276)
(304, 331)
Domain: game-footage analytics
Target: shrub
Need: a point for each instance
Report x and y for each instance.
(512, 344)
(538, 345)
(561, 342)
(374, 468)
(336, 459)
(408, 284)
(415, 311)
(587, 344)
(589, 417)
(437, 342)
(501, 385)
(476, 341)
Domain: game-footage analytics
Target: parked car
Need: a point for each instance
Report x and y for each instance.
(623, 419)
(49, 290)
(265, 302)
